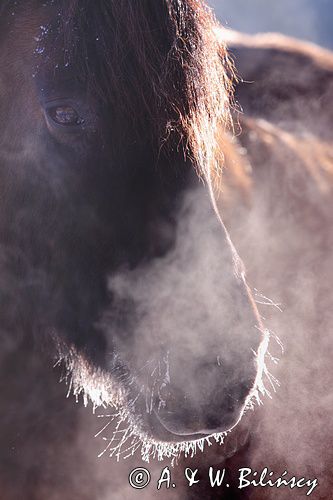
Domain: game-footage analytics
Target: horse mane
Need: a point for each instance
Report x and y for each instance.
(158, 63)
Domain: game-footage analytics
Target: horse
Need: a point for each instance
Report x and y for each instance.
(114, 258)
(116, 264)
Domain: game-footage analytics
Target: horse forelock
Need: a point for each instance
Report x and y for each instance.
(157, 63)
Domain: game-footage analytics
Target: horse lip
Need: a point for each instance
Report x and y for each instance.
(165, 434)
(234, 440)
(170, 435)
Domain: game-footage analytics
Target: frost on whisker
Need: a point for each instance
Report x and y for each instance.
(127, 438)
(263, 300)
(265, 382)
(122, 429)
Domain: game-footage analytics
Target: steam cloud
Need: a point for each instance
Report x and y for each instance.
(284, 236)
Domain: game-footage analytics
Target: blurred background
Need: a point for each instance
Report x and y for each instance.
(307, 19)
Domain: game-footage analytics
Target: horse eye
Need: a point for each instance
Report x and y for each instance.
(65, 115)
